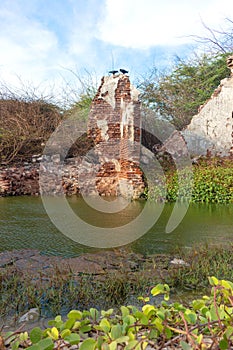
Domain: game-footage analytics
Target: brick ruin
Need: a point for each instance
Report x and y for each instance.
(114, 125)
(211, 130)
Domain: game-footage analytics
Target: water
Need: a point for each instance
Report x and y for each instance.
(24, 223)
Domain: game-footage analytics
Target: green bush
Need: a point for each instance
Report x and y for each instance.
(204, 324)
(211, 184)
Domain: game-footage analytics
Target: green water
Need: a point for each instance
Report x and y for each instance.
(24, 223)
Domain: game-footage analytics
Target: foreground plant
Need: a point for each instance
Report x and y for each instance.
(206, 324)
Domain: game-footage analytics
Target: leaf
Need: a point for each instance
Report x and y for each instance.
(190, 316)
(69, 324)
(148, 309)
(122, 339)
(14, 346)
(158, 289)
(213, 281)
(161, 314)
(88, 344)
(65, 333)
(105, 325)
(34, 347)
(227, 284)
(58, 318)
(124, 311)
(223, 344)
(85, 328)
(54, 333)
(107, 313)
(35, 335)
(131, 344)
(199, 339)
(116, 332)
(75, 314)
(168, 333)
(113, 345)
(73, 338)
(185, 346)
(94, 314)
(159, 324)
(44, 344)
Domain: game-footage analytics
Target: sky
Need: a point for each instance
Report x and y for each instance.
(48, 43)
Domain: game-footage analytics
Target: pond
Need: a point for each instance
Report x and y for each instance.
(24, 223)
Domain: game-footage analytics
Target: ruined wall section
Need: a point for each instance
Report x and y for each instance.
(211, 130)
(114, 125)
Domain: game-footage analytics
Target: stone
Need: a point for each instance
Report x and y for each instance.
(179, 262)
(30, 316)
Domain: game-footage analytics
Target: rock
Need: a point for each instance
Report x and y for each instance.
(30, 316)
(179, 262)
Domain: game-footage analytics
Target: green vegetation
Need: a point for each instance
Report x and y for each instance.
(64, 291)
(206, 323)
(177, 95)
(212, 183)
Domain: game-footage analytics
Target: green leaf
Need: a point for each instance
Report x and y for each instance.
(148, 309)
(35, 335)
(105, 325)
(190, 316)
(122, 339)
(168, 333)
(69, 324)
(44, 344)
(107, 313)
(213, 281)
(73, 338)
(15, 345)
(223, 344)
(54, 334)
(185, 346)
(34, 347)
(116, 332)
(161, 314)
(65, 333)
(131, 344)
(94, 314)
(85, 328)
(159, 324)
(58, 318)
(75, 314)
(227, 284)
(124, 311)
(113, 345)
(88, 344)
(159, 289)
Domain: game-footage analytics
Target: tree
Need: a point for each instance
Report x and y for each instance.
(178, 95)
(27, 119)
(217, 40)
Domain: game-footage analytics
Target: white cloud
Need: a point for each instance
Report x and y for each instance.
(146, 23)
(39, 38)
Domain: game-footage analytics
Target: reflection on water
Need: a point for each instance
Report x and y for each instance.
(25, 224)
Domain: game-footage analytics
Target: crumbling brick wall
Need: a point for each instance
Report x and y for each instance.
(114, 125)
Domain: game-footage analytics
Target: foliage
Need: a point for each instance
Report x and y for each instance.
(63, 291)
(25, 126)
(203, 324)
(204, 260)
(177, 96)
(211, 184)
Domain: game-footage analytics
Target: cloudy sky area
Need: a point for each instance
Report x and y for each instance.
(41, 40)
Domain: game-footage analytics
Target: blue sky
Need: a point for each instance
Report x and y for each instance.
(42, 40)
